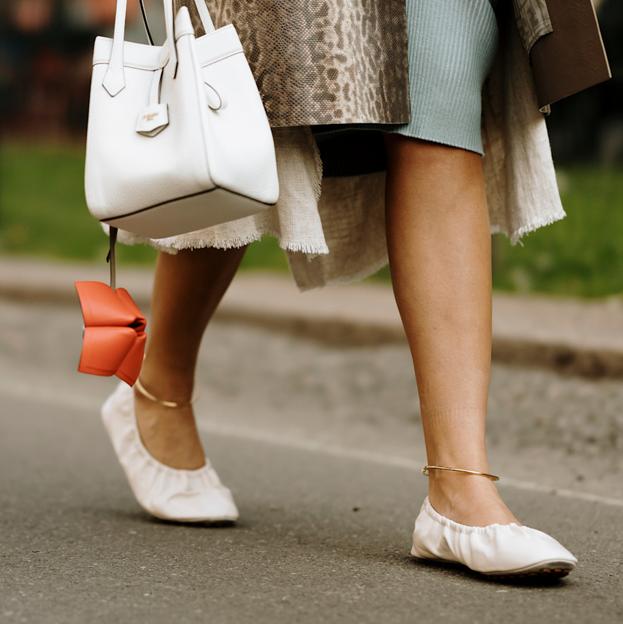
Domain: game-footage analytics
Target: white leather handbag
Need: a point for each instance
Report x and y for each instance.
(178, 138)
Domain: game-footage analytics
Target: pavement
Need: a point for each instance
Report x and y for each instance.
(321, 446)
(322, 537)
(580, 337)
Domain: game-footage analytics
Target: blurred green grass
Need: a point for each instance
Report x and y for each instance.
(42, 213)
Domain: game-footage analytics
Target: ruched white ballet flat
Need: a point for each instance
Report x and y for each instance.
(166, 493)
(495, 549)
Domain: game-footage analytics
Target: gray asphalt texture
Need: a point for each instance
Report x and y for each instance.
(316, 444)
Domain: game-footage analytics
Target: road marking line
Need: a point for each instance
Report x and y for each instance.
(341, 452)
(21, 390)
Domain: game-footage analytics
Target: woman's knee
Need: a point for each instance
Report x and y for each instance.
(422, 153)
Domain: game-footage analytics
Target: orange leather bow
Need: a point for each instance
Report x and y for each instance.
(113, 341)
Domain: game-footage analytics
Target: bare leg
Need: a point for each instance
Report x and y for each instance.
(187, 290)
(440, 257)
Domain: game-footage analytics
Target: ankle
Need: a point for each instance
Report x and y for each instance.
(467, 459)
(167, 385)
(451, 485)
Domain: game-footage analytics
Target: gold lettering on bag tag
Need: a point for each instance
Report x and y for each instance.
(152, 120)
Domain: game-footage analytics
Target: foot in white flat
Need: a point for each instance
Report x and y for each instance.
(167, 493)
(495, 549)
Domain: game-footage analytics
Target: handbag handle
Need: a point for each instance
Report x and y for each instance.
(114, 79)
(202, 10)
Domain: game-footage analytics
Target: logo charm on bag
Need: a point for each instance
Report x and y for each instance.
(113, 338)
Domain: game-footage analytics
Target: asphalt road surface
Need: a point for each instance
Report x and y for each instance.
(321, 450)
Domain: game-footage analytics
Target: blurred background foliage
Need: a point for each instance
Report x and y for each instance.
(45, 49)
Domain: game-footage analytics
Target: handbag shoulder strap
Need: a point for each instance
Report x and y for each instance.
(204, 16)
(202, 11)
(114, 79)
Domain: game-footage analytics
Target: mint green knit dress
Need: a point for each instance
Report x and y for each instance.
(452, 44)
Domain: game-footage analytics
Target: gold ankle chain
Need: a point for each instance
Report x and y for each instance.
(427, 468)
(141, 388)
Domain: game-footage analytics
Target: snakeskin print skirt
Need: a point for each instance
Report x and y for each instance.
(322, 61)
(452, 45)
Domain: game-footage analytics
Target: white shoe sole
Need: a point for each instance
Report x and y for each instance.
(550, 569)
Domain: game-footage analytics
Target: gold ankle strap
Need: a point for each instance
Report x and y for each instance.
(427, 468)
(141, 388)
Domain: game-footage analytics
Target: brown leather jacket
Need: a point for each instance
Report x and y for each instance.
(564, 44)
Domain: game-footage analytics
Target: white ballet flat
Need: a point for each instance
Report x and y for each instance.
(495, 549)
(166, 493)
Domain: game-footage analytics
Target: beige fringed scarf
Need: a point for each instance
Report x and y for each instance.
(344, 62)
